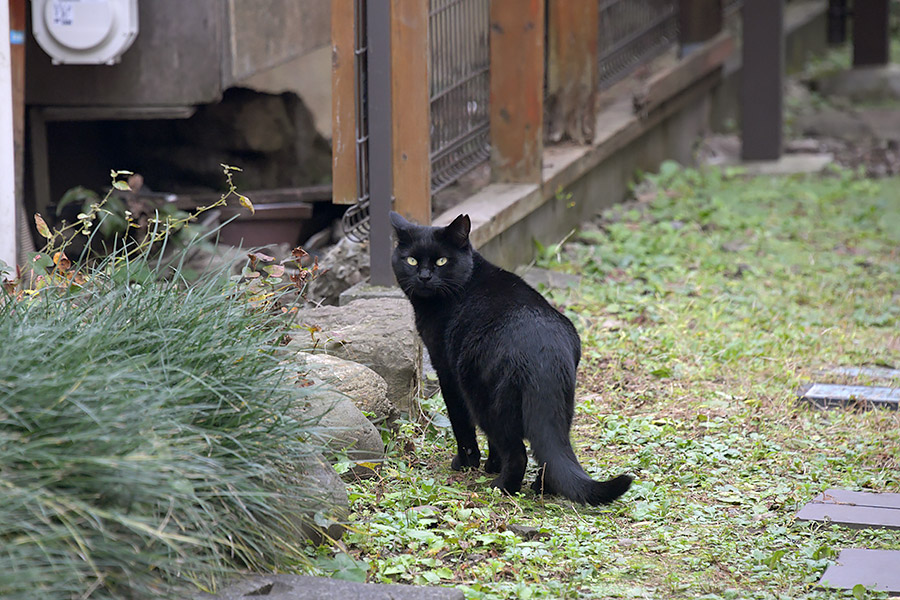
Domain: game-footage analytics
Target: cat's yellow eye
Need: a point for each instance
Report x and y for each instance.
(413, 262)
(441, 261)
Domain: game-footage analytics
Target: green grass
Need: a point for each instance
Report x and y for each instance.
(704, 306)
(147, 447)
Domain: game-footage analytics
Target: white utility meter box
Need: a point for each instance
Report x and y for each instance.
(84, 32)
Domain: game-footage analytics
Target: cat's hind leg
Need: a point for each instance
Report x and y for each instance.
(507, 449)
(541, 486)
(493, 462)
(513, 460)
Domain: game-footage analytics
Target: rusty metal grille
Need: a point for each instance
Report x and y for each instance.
(355, 221)
(459, 73)
(632, 32)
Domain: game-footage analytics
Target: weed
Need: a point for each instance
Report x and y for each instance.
(703, 308)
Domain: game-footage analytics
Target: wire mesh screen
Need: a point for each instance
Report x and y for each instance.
(459, 67)
(355, 221)
(633, 32)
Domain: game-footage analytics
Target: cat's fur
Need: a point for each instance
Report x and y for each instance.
(505, 359)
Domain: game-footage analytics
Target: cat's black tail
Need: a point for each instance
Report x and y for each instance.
(561, 472)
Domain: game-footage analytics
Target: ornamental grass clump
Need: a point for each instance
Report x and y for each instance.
(146, 442)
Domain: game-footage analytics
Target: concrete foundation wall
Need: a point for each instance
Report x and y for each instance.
(601, 187)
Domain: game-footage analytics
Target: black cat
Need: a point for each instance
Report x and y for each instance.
(505, 359)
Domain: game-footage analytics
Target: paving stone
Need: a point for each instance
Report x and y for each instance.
(828, 395)
(789, 164)
(857, 510)
(299, 587)
(873, 372)
(875, 569)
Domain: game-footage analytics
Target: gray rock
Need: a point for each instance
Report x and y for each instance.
(834, 123)
(344, 429)
(331, 505)
(379, 333)
(863, 84)
(347, 263)
(299, 587)
(526, 532)
(366, 388)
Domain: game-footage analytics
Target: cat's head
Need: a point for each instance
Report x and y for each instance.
(432, 261)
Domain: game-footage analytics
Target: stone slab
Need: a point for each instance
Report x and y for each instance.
(300, 587)
(875, 569)
(828, 395)
(789, 164)
(863, 84)
(873, 372)
(857, 510)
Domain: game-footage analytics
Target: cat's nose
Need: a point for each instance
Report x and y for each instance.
(424, 274)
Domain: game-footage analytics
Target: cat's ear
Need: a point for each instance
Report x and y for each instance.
(402, 227)
(457, 232)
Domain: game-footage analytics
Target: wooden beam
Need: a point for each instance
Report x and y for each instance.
(762, 80)
(411, 109)
(871, 35)
(343, 101)
(572, 76)
(17, 57)
(668, 82)
(517, 90)
(698, 21)
(17, 24)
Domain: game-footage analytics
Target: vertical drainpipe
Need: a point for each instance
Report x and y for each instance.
(7, 154)
(381, 184)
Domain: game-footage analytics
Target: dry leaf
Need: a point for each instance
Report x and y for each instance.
(42, 226)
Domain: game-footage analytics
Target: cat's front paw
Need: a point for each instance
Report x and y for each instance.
(468, 459)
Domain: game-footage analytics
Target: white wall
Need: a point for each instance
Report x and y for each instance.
(7, 155)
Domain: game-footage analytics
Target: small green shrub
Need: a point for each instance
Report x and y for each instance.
(146, 442)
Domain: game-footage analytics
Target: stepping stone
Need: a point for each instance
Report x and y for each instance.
(302, 587)
(857, 510)
(873, 372)
(827, 395)
(875, 569)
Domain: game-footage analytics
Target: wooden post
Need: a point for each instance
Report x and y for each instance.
(343, 101)
(762, 80)
(871, 37)
(17, 24)
(411, 109)
(517, 90)
(572, 75)
(698, 21)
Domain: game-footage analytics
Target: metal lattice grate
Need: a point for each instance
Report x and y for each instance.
(355, 222)
(633, 32)
(459, 34)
